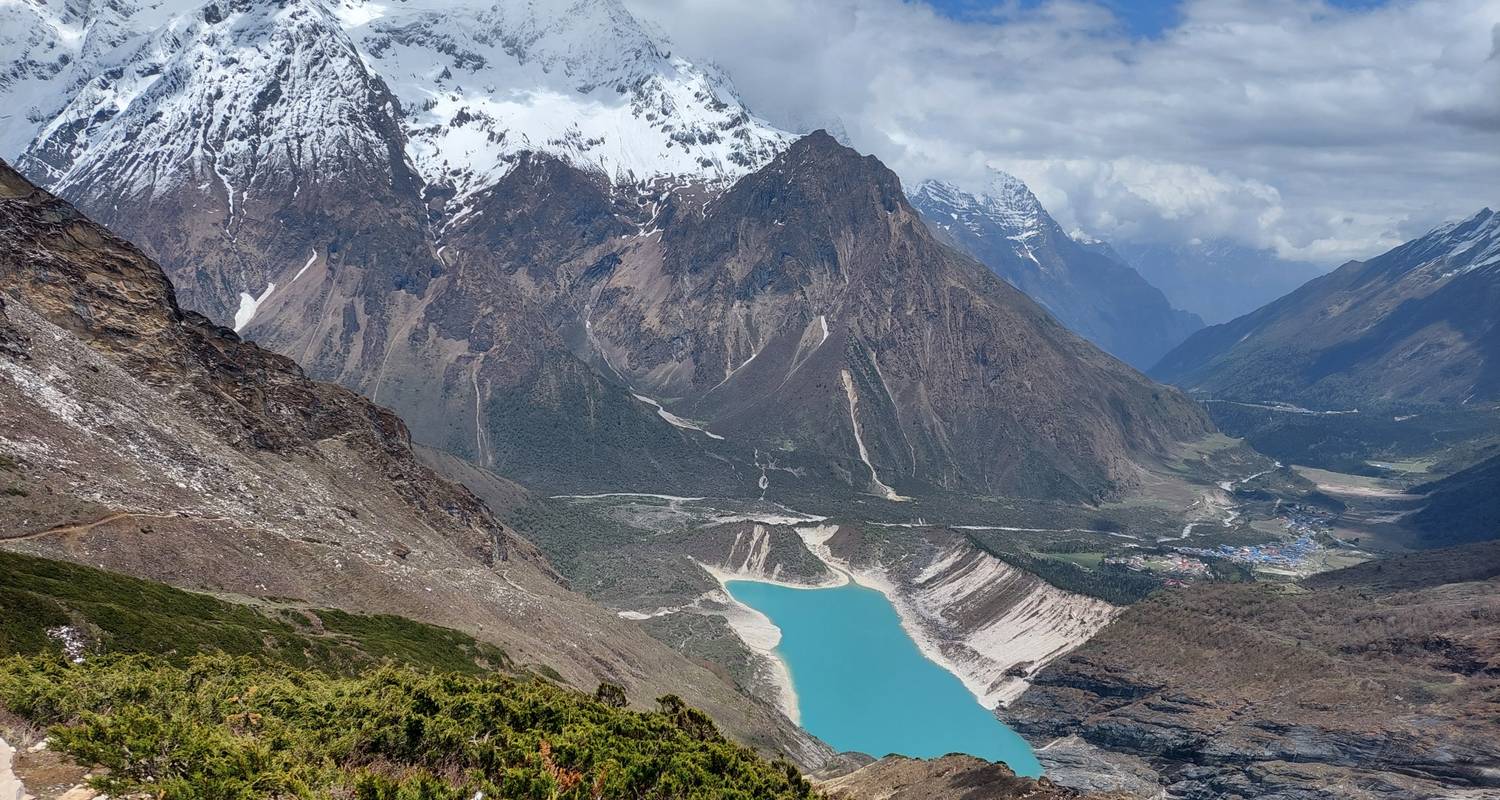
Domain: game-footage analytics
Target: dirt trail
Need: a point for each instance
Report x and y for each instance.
(88, 526)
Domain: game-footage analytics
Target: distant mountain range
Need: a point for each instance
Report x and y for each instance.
(563, 253)
(1082, 283)
(1418, 325)
(1216, 279)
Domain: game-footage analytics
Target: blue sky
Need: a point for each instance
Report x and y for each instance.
(1143, 18)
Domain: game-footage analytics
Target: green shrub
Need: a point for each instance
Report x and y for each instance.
(231, 728)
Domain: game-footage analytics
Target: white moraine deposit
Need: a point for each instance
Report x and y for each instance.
(982, 619)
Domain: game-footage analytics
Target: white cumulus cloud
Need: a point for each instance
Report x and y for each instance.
(1321, 132)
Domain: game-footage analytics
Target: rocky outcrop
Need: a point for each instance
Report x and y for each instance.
(148, 440)
(1365, 685)
(757, 551)
(952, 777)
(10, 785)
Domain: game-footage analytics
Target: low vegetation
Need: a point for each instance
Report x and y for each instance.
(1461, 508)
(119, 614)
(235, 727)
(183, 695)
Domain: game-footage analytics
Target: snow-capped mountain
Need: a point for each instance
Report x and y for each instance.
(1416, 325)
(581, 79)
(1082, 283)
(245, 96)
(149, 93)
(256, 144)
(1006, 206)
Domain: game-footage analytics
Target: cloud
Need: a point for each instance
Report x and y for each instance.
(1322, 132)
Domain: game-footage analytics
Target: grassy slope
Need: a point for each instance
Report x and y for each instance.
(120, 614)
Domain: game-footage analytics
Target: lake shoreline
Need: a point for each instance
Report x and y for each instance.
(865, 685)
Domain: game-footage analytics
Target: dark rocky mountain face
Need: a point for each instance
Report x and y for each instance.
(495, 363)
(1415, 326)
(148, 440)
(1084, 285)
(809, 308)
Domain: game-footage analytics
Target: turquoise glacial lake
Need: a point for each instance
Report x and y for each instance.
(863, 685)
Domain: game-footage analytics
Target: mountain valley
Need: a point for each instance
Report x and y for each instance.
(1413, 327)
(260, 482)
(396, 400)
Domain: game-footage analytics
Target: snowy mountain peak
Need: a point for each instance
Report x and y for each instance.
(140, 89)
(1457, 248)
(236, 95)
(581, 79)
(1006, 203)
(1008, 192)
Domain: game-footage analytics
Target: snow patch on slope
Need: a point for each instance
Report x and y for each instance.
(249, 304)
(310, 260)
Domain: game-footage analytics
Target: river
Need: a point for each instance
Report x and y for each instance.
(863, 685)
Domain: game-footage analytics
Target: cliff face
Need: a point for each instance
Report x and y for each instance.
(148, 440)
(992, 625)
(1372, 682)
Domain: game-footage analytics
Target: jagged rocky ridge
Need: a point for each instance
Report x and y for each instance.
(151, 441)
(1414, 326)
(1082, 283)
